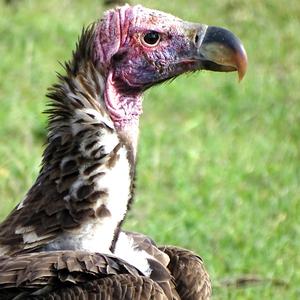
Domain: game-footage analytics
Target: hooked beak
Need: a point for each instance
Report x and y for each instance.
(218, 49)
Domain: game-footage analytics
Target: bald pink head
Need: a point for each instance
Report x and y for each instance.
(138, 47)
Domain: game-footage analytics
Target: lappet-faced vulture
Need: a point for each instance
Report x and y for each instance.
(85, 185)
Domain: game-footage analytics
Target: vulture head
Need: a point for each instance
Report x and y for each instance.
(138, 47)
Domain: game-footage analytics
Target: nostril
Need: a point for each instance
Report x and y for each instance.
(199, 35)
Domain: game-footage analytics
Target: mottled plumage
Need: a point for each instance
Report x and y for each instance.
(125, 287)
(75, 191)
(187, 268)
(85, 184)
(43, 273)
(191, 279)
(178, 274)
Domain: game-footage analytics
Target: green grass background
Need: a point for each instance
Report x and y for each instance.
(219, 161)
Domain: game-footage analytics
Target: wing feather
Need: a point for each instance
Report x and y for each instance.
(74, 275)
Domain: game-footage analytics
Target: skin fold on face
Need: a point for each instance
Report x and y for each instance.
(154, 46)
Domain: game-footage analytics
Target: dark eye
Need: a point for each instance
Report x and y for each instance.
(151, 38)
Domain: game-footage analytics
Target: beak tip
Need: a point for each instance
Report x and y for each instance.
(242, 62)
(225, 50)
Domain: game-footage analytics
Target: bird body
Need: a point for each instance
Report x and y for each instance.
(86, 182)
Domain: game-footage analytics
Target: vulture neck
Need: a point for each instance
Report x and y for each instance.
(122, 111)
(91, 126)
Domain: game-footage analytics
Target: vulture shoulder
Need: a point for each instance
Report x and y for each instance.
(79, 275)
(187, 268)
(191, 279)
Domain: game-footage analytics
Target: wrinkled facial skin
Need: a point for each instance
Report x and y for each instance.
(139, 47)
(141, 65)
(138, 65)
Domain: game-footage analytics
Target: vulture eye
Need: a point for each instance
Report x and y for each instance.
(151, 39)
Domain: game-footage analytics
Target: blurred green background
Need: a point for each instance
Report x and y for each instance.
(219, 161)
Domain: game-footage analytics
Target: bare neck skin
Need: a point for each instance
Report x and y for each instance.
(125, 111)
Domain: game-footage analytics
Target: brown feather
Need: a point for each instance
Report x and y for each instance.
(61, 274)
(51, 206)
(191, 279)
(126, 287)
(41, 268)
(186, 268)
